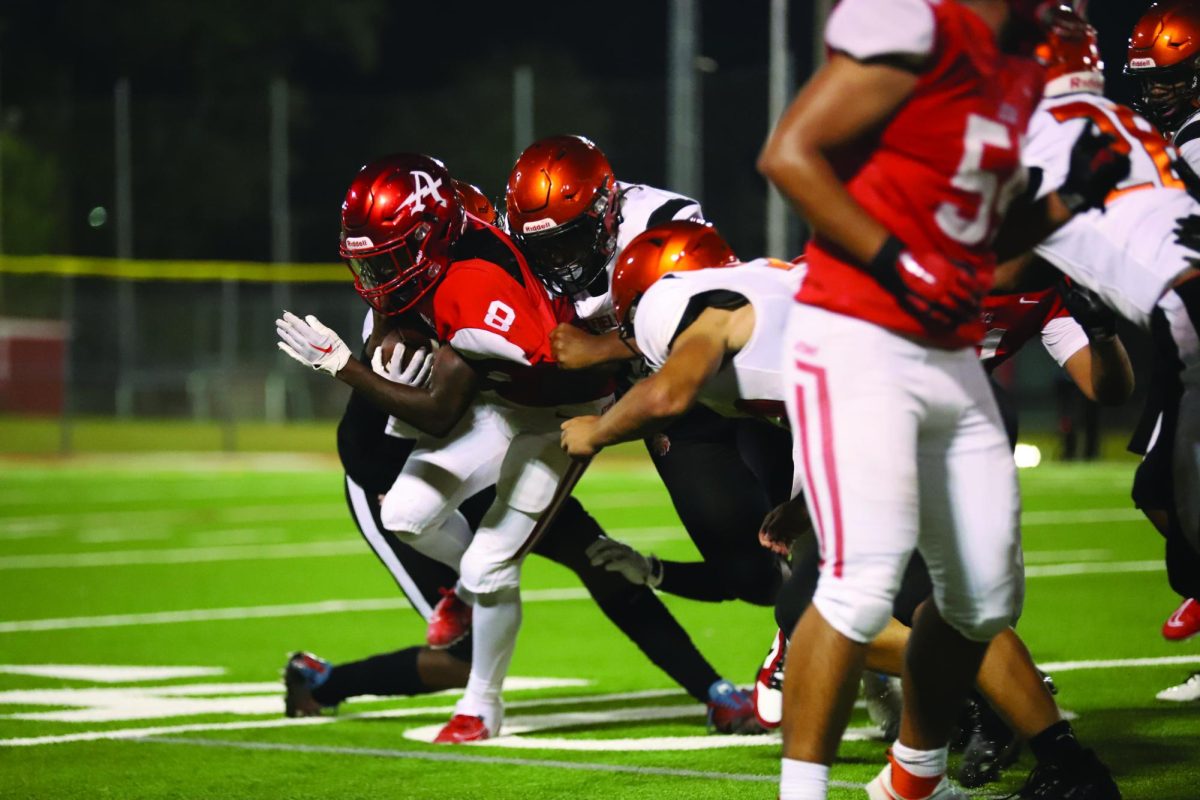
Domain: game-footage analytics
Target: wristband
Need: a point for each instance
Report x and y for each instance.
(655, 576)
(884, 262)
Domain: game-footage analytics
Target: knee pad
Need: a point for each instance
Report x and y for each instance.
(857, 614)
(412, 507)
(986, 614)
(488, 565)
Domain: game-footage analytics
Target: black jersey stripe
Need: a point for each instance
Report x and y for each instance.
(1187, 133)
(667, 211)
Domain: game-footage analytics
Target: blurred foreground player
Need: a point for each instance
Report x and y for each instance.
(905, 190)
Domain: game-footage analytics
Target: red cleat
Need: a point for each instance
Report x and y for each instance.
(450, 621)
(768, 686)
(462, 728)
(1184, 623)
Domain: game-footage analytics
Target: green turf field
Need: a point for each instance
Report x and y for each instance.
(214, 568)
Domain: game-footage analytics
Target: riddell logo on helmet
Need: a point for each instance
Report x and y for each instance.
(537, 225)
(1142, 63)
(358, 242)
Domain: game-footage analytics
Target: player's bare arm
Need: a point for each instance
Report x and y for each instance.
(1101, 370)
(695, 357)
(433, 409)
(574, 348)
(818, 123)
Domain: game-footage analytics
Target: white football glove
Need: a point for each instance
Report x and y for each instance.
(416, 374)
(619, 557)
(311, 343)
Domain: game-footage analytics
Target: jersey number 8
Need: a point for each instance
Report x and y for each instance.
(499, 316)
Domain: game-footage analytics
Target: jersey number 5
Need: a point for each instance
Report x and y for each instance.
(499, 316)
(971, 177)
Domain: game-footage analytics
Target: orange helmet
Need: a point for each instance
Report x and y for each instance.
(1164, 54)
(679, 246)
(475, 202)
(562, 210)
(1070, 52)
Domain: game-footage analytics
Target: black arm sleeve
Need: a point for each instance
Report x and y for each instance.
(369, 456)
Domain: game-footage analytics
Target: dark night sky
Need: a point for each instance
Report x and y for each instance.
(367, 76)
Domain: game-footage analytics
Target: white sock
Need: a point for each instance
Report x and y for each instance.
(921, 763)
(803, 780)
(446, 543)
(495, 622)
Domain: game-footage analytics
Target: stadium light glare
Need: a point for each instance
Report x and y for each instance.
(1027, 455)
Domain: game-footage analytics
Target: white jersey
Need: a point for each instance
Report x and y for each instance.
(1187, 141)
(751, 379)
(1125, 253)
(641, 207)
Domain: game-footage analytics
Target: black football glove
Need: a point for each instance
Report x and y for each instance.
(1097, 319)
(1096, 169)
(1187, 233)
(1191, 181)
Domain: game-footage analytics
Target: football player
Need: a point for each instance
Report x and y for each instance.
(372, 452)
(710, 329)
(904, 190)
(572, 219)
(1130, 256)
(1164, 58)
(411, 247)
(1164, 54)
(472, 285)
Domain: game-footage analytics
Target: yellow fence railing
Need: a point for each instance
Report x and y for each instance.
(149, 270)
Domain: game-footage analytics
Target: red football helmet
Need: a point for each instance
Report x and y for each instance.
(1164, 54)
(563, 211)
(679, 246)
(1070, 52)
(399, 219)
(475, 202)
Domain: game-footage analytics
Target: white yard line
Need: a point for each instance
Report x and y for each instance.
(1119, 663)
(387, 604)
(1110, 568)
(284, 722)
(1056, 556)
(1081, 516)
(252, 612)
(460, 757)
(184, 555)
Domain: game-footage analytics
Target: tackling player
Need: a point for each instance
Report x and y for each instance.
(904, 190)
(1164, 55)
(573, 219)
(372, 454)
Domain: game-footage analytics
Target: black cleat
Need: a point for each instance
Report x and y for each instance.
(991, 746)
(1084, 778)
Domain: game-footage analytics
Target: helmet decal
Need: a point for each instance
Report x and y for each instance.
(425, 186)
(538, 225)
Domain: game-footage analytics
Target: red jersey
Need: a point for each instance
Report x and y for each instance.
(942, 172)
(1012, 320)
(492, 310)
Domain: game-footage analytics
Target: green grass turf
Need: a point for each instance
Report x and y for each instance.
(211, 525)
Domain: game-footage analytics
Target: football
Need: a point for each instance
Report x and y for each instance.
(410, 338)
